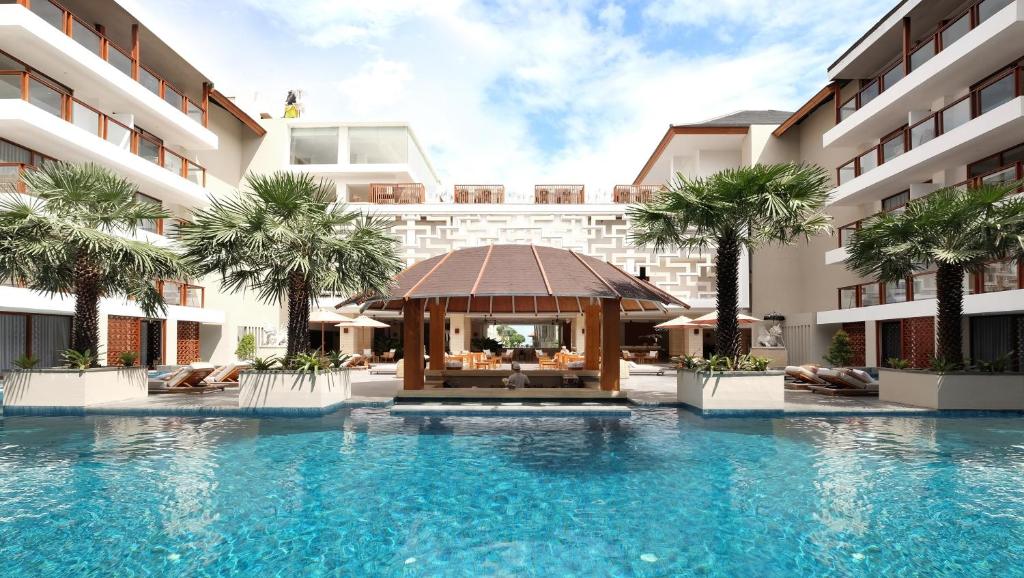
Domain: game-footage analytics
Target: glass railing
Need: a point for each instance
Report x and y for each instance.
(1003, 87)
(183, 294)
(10, 177)
(993, 278)
(97, 43)
(52, 99)
(955, 28)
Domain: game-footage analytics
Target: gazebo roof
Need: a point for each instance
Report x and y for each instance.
(511, 279)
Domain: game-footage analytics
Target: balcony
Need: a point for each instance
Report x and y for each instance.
(397, 194)
(558, 195)
(941, 64)
(628, 194)
(57, 41)
(183, 294)
(479, 194)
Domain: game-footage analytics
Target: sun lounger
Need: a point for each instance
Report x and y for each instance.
(845, 382)
(804, 375)
(187, 379)
(227, 375)
(638, 369)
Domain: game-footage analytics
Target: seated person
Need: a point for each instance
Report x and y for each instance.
(518, 379)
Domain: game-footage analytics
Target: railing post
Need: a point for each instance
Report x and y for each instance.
(906, 45)
(207, 89)
(135, 52)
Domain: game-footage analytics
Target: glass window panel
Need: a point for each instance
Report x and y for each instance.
(983, 166)
(12, 153)
(869, 92)
(314, 146)
(10, 178)
(892, 76)
(956, 115)
(969, 284)
(48, 12)
(85, 118)
(119, 135)
(847, 173)
(46, 98)
(195, 174)
(956, 30)
(893, 148)
(194, 112)
(149, 225)
(1000, 277)
(846, 235)
(922, 55)
(868, 161)
(86, 36)
(848, 298)
(896, 292)
(1014, 155)
(925, 287)
(172, 293)
(922, 133)
(848, 108)
(8, 63)
(119, 60)
(10, 86)
(988, 8)
(1003, 176)
(998, 93)
(173, 162)
(378, 145)
(14, 333)
(51, 336)
(173, 97)
(149, 81)
(149, 150)
(869, 295)
(896, 201)
(194, 296)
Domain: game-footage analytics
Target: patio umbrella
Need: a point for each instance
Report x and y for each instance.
(681, 321)
(363, 321)
(324, 317)
(711, 319)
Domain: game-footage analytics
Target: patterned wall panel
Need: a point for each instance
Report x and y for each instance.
(605, 236)
(188, 342)
(858, 342)
(123, 334)
(919, 340)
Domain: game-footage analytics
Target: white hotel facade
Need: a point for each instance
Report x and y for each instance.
(930, 96)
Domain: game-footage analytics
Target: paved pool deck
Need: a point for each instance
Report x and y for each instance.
(378, 390)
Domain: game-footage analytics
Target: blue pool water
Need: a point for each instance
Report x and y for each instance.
(363, 493)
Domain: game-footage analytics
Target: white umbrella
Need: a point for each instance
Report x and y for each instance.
(324, 317)
(712, 319)
(363, 321)
(681, 321)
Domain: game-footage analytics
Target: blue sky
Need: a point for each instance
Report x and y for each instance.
(519, 92)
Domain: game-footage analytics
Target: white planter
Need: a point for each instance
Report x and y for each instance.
(74, 388)
(968, 390)
(293, 389)
(734, 390)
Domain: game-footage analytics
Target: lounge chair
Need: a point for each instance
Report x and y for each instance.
(187, 379)
(638, 369)
(804, 374)
(845, 382)
(357, 361)
(227, 375)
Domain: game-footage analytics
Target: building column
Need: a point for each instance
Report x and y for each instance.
(871, 344)
(592, 335)
(412, 344)
(458, 332)
(611, 344)
(577, 333)
(436, 308)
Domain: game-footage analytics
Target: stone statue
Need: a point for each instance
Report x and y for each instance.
(771, 337)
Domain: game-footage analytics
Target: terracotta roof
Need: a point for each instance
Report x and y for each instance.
(512, 279)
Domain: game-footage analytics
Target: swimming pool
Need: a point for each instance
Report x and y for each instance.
(362, 493)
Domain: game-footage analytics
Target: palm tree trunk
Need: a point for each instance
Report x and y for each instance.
(85, 327)
(950, 304)
(298, 315)
(727, 275)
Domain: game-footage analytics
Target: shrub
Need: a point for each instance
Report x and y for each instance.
(723, 363)
(26, 362)
(311, 362)
(128, 358)
(246, 349)
(939, 365)
(998, 365)
(897, 363)
(265, 363)
(337, 358)
(840, 352)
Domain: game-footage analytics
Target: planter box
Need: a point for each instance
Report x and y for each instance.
(779, 356)
(733, 390)
(293, 389)
(74, 388)
(961, 390)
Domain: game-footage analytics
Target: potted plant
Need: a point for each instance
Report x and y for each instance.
(310, 380)
(722, 383)
(953, 231)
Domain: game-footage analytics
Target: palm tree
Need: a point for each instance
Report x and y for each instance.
(955, 230)
(284, 239)
(730, 211)
(70, 236)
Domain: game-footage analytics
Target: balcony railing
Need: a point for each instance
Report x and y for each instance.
(123, 59)
(955, 27)
(1003, 87)
(635, 193)
(558, 194)
(486, 194)
(10, 177)
(42, 93)
(995, 277)
(182, 294)
(397, 194)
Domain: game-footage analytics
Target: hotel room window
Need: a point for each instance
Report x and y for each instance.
(314, 146)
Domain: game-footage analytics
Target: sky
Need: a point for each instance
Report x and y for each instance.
(518, 92)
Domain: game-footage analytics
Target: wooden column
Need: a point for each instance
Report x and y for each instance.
(412, 344)
(591, 335)
(906, 39)
(136, 52)
(436, 310)
(610, 344)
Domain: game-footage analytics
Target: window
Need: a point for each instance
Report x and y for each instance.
(869, 295)
(896, 291)
(897, 201)
(922, 54)
(1000, 276)
(46, 97)
(314, 146)
(893, 147)
(378, 145)
(8, 63)
(848, 298)
(998, 93)
(895, 73)
(924, 287)
(12, 153)
(956, 30)
(1005, 159)
(150, 225)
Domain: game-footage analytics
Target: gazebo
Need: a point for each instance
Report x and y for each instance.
(513, 280)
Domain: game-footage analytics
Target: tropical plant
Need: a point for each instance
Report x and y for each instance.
(998, 365)
(383, 342)
(311, 361)
(897, 363)
(246, 348)
(265, 363)
(128, 358)
(71, 237)
(940, 365)
(485, 343)
(285, 239)
(26, 362)
(733, 210)
(956, 231)
(80, 360)
(337, 358)
(840, 352)
(509, 337)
